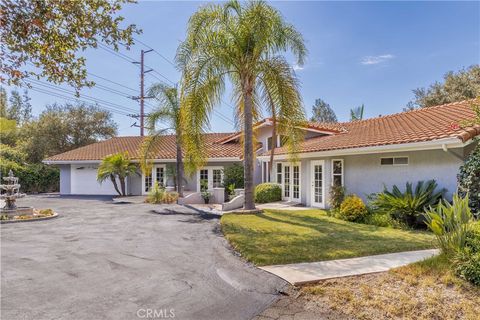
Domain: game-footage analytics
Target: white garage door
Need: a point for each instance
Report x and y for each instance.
(84, 181)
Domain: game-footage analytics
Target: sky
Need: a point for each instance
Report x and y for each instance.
(371, 53)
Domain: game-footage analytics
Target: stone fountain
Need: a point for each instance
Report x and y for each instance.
(10, 192)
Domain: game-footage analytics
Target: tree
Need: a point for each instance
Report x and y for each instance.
(16, 107)
(52, 35)
(61, 128)
(116, 166)
(167, 110)
(457, 86)
(357, 113)
(322, 112)
(241, 41)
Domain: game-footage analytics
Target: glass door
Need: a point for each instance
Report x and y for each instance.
(318, 188)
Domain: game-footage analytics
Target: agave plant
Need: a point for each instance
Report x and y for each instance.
(409, 206)
(450, 223)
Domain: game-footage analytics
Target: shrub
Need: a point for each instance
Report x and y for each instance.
(450, 223)
(467, 262)
(469, 180)
(352, 209)
(379, 219)
(268, 192)
(337, 195)
(158, 195)
(408, 207)
(234, 175)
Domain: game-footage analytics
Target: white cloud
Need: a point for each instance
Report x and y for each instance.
(368, 60)
(296, 67)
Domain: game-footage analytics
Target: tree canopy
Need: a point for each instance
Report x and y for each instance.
(51, 35)
(322, 112)
(456, 86)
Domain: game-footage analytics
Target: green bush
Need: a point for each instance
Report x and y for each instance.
(157, 195)
(379, 219)
(353, 209)
(467, 262)
(37, 177)
(337, 195)
(408, 207)
(450, 223)
(469, 180)
(268, 192)
(234, 175)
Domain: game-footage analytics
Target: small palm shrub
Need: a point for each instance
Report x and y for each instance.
(352, 209)
(450, 223)
(156, 194)
(408, 207)
(268, 192)
(337, 195)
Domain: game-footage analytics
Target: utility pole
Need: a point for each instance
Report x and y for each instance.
(142, 90)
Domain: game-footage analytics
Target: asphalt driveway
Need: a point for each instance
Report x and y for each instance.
(102, 260)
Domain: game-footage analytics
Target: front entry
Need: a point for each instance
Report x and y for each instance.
(291, 182)
(318, 183)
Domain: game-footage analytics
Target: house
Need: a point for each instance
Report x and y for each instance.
(363, 156)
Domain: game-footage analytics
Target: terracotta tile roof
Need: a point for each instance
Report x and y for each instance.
(165, 149)
(424, 124)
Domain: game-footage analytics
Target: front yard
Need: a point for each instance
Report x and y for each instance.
(281, 237)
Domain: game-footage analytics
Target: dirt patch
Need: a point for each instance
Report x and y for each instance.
(398, 294)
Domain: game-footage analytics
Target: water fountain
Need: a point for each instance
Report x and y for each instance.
(10, 192)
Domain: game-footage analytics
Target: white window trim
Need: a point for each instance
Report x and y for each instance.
(153, 175)
(343, 171)
(393, 164)
(210, 176)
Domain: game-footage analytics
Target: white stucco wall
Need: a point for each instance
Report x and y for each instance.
(65, 181)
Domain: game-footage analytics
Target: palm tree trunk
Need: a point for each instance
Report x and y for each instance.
(248, 148)
(122, 185)
(114, 181)
(274, 144)
(179, 166)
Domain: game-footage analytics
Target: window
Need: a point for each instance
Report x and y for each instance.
(279, 173)
(286, 182)
(269, 143)
(148, 182)
(203, 179)
(296, 182)
(281, 141)
(337, 172)
(394, 161)
(159, 176)
(217, 178)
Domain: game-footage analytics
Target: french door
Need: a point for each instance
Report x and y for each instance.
(209, 178)
(291, 182)
(156, 175)
(318, 183)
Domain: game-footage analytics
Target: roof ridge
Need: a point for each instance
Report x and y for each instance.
(417, 110)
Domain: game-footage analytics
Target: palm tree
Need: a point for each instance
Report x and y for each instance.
(357, 113)
(167, 111)
(241, 42)
(116, 166)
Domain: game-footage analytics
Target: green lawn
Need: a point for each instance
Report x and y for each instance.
(280, 237)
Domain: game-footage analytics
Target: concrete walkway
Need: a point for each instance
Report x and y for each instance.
(301, 273)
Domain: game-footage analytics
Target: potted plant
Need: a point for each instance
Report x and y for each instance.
(206, 195)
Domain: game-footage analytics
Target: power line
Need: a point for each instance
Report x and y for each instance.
(158, 53)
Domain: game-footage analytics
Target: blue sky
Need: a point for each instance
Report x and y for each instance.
(359, 52)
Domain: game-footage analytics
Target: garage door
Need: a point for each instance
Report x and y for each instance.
(84, 181)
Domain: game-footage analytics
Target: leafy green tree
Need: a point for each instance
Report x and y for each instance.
(16, 107)
(116, 166)
(167, 111)
(457, 86)
(61, 128)
(322, 112)
(357, 113)
(3, 102)
(242, 42)
(8, 131)
(53, 34)
(469, 180)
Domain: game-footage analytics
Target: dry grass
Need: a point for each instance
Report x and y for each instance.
(425, 290)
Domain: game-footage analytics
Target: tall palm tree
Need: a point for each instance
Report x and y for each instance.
(356, 114)
(168, 112)
(241, 42)
(116, 166)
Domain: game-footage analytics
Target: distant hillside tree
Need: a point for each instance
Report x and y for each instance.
(16, 107)
(357, 113)
(322, 112)
(457, 86)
